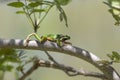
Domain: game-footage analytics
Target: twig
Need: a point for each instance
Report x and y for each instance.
(69, 70)
(50, 57)
(33, 68)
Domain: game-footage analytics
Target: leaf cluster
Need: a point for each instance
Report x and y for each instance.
(114, 6)
(115, 57)
(8, 56)
(36, 10)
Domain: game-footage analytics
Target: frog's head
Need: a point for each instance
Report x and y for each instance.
(63, 37)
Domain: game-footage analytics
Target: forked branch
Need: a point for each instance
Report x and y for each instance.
(70, 71)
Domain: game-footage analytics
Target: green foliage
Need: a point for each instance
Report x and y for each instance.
(63, 2)
(24, 63)
(7, 57)
(62, 14)
(115, 56)
(34, 4)
(114, 9)
(20, 12)
(36, 10)
(16, 4)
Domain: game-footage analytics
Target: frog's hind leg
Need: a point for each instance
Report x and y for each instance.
(28, 38)
(43, 39)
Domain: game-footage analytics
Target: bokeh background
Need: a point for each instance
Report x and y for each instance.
(91, 27)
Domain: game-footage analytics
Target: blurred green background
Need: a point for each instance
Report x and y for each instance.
(91, 27)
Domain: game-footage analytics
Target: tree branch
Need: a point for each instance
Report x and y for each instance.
(70, 71)
(108, 71)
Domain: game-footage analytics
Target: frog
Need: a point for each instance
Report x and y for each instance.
(60, 39)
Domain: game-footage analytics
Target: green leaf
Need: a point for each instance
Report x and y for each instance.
(65, 18)
(114, 9)
(8, 55)
(38, 10)
(48, 3)
(20, 12)
(20, 67)
(115, 56)
(16, 4)
(110, 56)
(6, 67)
(35, 4)
(116, 15)
(63, 2)
(35, 0)
(61, 17)
(7, 51)
(62, 14)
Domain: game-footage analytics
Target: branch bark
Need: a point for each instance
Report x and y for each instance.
(108, 71)
(70, 71)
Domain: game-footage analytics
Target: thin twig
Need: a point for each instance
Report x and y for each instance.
(69, 70)
(33, 68)
(45, 14)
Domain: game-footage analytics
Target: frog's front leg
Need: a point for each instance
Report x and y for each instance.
(66, 43)
(59, 43)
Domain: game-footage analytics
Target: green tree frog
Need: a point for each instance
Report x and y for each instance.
(60, 39)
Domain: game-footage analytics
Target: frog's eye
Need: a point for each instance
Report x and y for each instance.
(67, 36)
(60, 36)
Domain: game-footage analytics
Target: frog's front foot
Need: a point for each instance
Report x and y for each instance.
(66, 43)
(61, 44)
